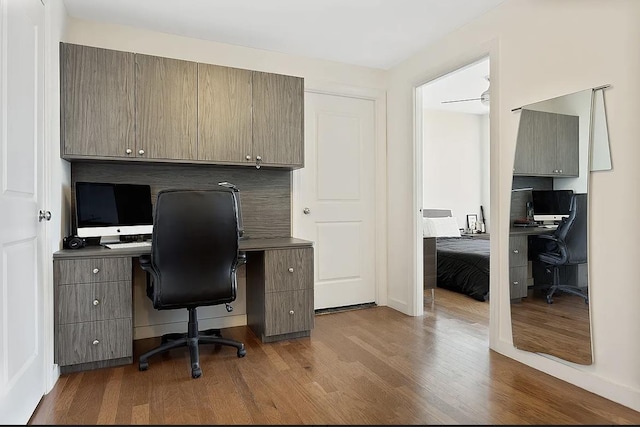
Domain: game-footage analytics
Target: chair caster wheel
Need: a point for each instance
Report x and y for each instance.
(242, 353)
(196, 373)
(143, 366)
(549, 300)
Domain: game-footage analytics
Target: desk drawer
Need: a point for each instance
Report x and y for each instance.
(518, 251)
(94, 301)
(518, 282)
(288, 269)
(94, 341)
(92, 270)
(287, 312)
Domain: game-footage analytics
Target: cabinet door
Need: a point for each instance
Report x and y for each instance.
(536, 144)
(166, 108)
(567, 156)
(224, 114)
(97, 102)
(278, 104)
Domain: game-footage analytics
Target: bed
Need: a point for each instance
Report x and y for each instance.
(462, 262)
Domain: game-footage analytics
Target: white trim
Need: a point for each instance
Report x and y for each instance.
(379, 98)
(416, 292)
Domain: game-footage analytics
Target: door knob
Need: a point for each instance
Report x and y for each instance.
(306, 211)
(46, 215)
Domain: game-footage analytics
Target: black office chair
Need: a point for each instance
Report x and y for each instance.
(193, 262)
(567, 246)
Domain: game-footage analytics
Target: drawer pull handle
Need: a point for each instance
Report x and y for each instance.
(516, 283)
(141, 152)
(290, 269)
(128, 151)
(290, 311)
(96, 302)
(95, 342)
(515, 251)
(96, 270)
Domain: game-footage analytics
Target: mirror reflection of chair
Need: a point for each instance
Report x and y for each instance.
(193, 263)
(567, 246)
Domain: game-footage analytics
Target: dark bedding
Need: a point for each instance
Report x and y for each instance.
(463, 265)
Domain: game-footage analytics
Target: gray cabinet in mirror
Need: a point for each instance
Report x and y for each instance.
(548, 263)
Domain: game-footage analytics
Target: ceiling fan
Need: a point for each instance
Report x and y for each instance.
(484, 96)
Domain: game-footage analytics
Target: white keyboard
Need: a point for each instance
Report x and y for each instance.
(124, 245)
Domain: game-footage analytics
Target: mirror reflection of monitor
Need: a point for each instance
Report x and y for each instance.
(109, 211)
(551, 205)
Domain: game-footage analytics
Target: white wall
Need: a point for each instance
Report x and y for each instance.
(539, 50)
(58, 180)
(149, 322)
(453, 163)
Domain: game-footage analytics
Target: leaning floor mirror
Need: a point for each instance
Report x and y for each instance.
(559, 142)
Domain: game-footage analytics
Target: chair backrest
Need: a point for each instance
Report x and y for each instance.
(194, 248)
(573, 231)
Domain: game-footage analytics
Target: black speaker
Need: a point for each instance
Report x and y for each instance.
(73, 242)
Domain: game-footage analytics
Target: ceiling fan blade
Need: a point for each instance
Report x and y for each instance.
(461, 100)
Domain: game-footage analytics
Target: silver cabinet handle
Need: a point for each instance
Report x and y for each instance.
(96, 270)
(46, 215)
(515, 251)
(290, 311)
(248, 157)
(96, 302)
(141, 152)
(290, 269)
(128, 151)
(306, 211)
(258, 158)
(95, 342)
(516, 283)
(560, 170)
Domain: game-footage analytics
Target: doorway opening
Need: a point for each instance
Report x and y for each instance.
(453, 174)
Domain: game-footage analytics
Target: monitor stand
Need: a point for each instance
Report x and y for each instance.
(104, 240)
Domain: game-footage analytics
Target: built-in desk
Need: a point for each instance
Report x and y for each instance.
(519, 271)
(93, 298)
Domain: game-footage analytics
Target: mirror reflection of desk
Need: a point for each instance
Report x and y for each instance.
(520, 270)
(93, 298)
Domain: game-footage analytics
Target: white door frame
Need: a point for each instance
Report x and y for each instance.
(378, 96)
(499, 309)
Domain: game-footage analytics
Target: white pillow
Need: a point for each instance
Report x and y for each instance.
(441, 227)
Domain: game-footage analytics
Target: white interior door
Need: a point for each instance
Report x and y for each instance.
(22, 379)
(334, 198)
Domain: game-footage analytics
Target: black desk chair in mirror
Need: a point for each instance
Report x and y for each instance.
(567, 246)
(193, 263)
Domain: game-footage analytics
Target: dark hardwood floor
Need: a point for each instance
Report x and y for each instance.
(367, 366)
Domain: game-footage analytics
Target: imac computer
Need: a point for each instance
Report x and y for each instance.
(109, 210)
(550, 206)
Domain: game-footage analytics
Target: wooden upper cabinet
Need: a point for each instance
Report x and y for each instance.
(97, 102)
(224, 114)
(278, 119)
(547, 145)
(567, 145)
(166, 108)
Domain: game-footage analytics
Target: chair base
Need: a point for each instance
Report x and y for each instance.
(191, 339)
(574, 290)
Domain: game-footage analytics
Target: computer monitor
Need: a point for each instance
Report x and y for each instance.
(551, 205)
(109, 211)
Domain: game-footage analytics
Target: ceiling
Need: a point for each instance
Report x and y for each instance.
(370, 33)
(465, 83)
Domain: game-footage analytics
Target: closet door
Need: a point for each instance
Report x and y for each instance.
(97, 102)
(224, 114)
(166, 108)
(278, 117)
